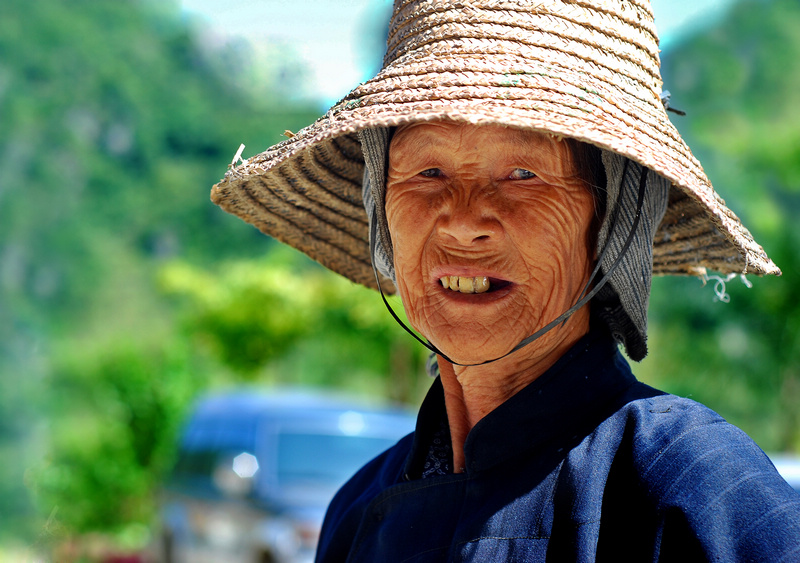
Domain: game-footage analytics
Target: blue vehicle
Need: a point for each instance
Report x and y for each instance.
(256, 471)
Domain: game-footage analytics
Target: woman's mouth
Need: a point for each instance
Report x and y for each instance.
(477, 284)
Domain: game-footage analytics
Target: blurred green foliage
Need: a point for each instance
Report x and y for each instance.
(112, 439)
(115, 120)
(740, 87)
(269, 321)
(124, 292)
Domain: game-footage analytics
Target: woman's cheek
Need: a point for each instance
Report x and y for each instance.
(408, 229)
(411, 290)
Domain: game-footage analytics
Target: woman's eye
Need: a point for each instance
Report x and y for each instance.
(431, 173)
(521, 174)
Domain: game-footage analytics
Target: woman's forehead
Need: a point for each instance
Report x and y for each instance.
(425, 138)
(433, 131)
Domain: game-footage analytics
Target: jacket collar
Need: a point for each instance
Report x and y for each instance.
(563, 404)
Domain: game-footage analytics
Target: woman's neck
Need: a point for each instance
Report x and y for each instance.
(472, 392)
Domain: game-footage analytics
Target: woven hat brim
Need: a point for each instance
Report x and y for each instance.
(306, 191)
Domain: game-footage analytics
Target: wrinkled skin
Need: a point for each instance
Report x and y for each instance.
(471, 200)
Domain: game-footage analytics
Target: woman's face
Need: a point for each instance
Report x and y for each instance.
(496, 212)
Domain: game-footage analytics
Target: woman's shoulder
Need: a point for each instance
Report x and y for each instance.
(706, 475)
(658, 418)
(665, 432)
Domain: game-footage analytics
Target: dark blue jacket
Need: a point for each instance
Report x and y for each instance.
(585, 464)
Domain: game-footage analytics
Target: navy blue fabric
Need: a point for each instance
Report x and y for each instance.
(585, 464)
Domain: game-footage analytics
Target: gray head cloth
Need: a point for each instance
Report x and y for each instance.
(622, 302)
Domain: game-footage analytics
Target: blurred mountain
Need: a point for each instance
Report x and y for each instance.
(116, 117)
(116, 120)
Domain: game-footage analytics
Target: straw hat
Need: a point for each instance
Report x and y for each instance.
(586, 69)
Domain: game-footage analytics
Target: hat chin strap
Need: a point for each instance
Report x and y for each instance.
(583, 300)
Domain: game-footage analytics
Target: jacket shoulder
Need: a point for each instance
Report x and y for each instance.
(709, 481)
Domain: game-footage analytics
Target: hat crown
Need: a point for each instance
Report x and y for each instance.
(618, 35)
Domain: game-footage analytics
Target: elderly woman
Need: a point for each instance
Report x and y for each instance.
(513, 174)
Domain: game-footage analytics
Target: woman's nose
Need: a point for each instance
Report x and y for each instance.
(469, 221)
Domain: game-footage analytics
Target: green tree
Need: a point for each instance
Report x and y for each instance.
(115, 436)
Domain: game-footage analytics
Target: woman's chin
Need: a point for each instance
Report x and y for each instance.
(470, 349)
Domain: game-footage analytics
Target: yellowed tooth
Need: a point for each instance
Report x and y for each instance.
(481, 284)
(478, 284)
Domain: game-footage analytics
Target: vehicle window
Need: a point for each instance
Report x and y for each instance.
(202, 463)
(324, 459)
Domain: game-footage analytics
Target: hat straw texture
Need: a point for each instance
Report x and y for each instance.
(582, 69)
